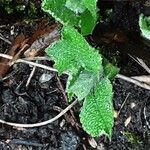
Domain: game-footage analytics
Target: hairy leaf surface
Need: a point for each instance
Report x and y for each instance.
(144, 23)
(110, 71)
(86, 25)
(74, 56)
(85, 83)
(73, 13)
(72, 53)
(97, 112)
(76, 6)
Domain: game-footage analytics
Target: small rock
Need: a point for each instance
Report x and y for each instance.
(92, 142)
(46, 77)
(115, 114)
(69, 141)
(127, 121)
(132, 105)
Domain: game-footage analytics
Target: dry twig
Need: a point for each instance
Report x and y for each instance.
(41, 123)
(141, 63)
(30, 58)
(123, 104)
(142, 78)
(60, 86)
(140, 84)
(143, 85)
(4, 39)
(144, 65)
(29, 62)
(66, 99)
(31, 75)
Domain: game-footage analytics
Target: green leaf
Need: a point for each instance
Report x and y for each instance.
(60, 12)
(110, 71)
(73, 13)
(85, 83)
(144, 23)
(76, 6)
(91, 12)
(86, 25)
(74, 56)
(72, 53)
(97, 112)
(91, 5)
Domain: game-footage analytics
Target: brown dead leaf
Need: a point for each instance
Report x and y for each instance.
(115, 36)
(108, 35)
(4, 66)
(37, 48)
(40, 39)
(3, 69)
(15, 47)
(42, 28)
(18, 55)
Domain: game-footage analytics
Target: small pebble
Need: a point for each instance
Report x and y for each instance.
(46, 77)
(132, 105)
(92, 142)
(69, 141)
(127, 121)
(115, 114)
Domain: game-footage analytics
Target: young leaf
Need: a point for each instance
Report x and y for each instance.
(86, 25)
(110, 71)
(97, 112)
(76, 6)
(144, 23)
(85, 83)
(60, 12)
(91, 6)
(72, 53)
(73, 13)
(91, 12)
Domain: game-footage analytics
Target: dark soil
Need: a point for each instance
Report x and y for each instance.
(36, 103)
(136, 135)
(31, 105)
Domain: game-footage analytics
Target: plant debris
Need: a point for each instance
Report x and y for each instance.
(44, 98)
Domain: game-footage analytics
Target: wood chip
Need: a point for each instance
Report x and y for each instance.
(92, 142)
(127, 121)
(132, 105)
(42, 38)
(115, 114)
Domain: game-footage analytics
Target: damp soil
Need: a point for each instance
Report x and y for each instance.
(39, 100)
